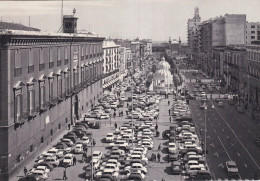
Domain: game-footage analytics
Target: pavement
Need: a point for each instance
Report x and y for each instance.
(229, 136)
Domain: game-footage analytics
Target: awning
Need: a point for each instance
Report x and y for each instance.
(76, 67)
(18, 85)
(59, 72)
(31, 81)
(86, 64)
(50, 76)
(42, 77)
(66, 70)
(83, 65)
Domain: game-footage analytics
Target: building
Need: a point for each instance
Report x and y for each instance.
(122, 62)
(252, 80)
(252, 33)
(193, 35)
(47, 82)
(221, 31)
(111, 63)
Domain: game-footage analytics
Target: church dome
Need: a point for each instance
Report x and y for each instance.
(163, 74)
(163, 64)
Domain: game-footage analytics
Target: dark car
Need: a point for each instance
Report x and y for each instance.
(71, 137)
(176, 167)
(79, 133)
(97, 125)
(202, 175)
(106, 177)
(82, 124)
(173, 156)
(135, 177)
(31, 178)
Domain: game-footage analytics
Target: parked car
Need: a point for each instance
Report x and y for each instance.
(176, 167)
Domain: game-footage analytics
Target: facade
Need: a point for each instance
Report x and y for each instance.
(47, 82)
(136, 53)
(252, 81)
(252, 33)
(221, 31)
(122, 62)
(111, 63)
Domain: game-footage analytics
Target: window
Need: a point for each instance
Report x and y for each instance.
(18, 105)
(51, 89)
(17, 64)
(66, 61)
(252, 26)
(252, 37)
(252, 32)
(59, 86)
(82, 53)
(41, 61)
(51, 62)
(30, 62)
(59, 57)
(67, 83)
(42, 94)
(31, 99)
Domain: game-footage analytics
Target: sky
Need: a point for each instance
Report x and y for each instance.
(128, 19)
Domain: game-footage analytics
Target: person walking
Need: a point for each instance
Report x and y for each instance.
(115, 125)
(64, 174)
(159, 147)
(169, 112)
(74, 160)
(156, 127)
(94, 142)
(114, 115)
(168, 103)
(170, 119)
(25, 171)
(159, 157)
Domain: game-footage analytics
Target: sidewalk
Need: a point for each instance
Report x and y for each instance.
(29, 161)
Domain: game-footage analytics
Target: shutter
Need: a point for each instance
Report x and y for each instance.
(35, 56)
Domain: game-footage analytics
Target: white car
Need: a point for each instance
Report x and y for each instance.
(172, 148)
(52, 160)
(68, 159)
(40, 174)
(135, 166)
(104, 116)
(96, 163)
(42, 168)
(138, 157)
(79, 148)
(110, 137)
(84, 140)
(56, 152)
(97, 155)
(148, 145)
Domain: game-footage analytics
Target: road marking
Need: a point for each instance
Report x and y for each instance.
(222, 129)
(221, 165)
(224, 148)
(238, 154)
(218, 123)
(227, 137)
(212, 144)
(245, 165)
(215, 130)
(238, 140)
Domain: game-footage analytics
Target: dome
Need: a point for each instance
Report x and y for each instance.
(163, 64)
(163, 74)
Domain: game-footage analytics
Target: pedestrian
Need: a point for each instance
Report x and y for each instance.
(168, 103)
(127, 105)
(114, 115)
(156, 127)
(126, 112)
(169, 111)
(119, 113)
(83, 158)
(159, 147)
(122, 113)
(170, 119)
(25, 171)
(69, 126)
(94, 142)
(115, 125)
(74, 160)
(159, 157)
(64, 174)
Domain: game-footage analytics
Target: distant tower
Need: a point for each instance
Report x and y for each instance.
(170, 44)
(179, 45)
(70, 23)
(196, 14)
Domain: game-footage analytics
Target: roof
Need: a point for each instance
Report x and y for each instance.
(15, 26)
(109, 44)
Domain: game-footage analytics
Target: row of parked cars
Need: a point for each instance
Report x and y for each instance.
(128, 146)
(185, 150)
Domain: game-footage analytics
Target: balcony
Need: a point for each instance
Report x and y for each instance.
(41, 67)
(66, 61)
(32, 115)
(17, 72)
(44, 107)
(59, 63)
